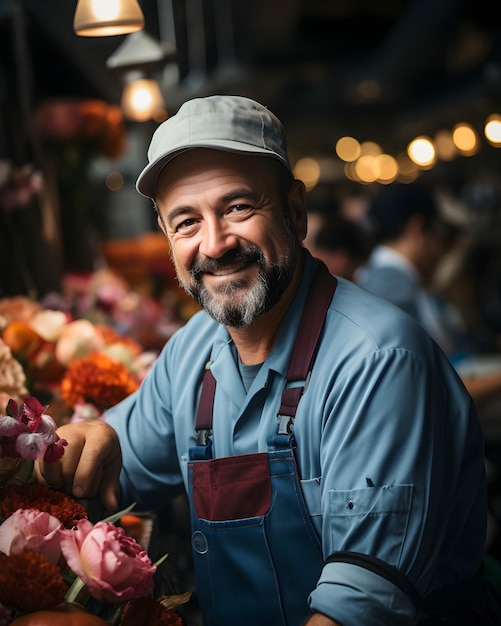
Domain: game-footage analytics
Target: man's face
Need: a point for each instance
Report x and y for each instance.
(234, 235)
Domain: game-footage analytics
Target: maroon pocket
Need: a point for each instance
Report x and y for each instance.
(232, 488)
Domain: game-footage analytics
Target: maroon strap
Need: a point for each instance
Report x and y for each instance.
(319, 297)
(204, 414)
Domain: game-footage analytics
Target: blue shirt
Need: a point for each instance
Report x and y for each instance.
(389, 275)
(389, 447)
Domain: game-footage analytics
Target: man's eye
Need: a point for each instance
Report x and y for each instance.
(185, 224)
(240, 208)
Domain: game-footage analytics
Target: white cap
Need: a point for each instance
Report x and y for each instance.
(229, 123)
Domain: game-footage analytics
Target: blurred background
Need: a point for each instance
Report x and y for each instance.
(369, 92)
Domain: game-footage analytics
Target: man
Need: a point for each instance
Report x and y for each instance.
(413, 238)
(342, 244)
(333, 459)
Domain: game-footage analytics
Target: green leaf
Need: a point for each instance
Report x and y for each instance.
(116, 516)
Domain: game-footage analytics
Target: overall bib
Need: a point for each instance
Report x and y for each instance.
(243, 506)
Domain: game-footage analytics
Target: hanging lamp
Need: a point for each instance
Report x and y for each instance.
(104, 18)
(141, 99)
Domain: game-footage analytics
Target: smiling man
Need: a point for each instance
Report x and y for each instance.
(230, 251)
(332, 458)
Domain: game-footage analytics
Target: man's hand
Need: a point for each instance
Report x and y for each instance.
(90, 466)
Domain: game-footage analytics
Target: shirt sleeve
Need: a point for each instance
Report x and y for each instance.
(144, 425)
(361, 597)
(402, 480)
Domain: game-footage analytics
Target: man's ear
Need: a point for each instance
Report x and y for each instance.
(160, 223)
(297, 207)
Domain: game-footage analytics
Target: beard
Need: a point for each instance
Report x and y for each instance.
(237, 303)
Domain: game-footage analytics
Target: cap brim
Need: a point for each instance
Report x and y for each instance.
(147, 181)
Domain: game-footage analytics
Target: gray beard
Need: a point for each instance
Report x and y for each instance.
(229, 305)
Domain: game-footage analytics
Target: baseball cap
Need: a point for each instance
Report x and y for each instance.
(229, 123)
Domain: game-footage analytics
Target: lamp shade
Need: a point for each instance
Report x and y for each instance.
(101, 18)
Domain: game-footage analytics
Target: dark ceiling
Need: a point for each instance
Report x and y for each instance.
(381, 70)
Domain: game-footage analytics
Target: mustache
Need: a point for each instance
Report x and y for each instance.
(249, 254)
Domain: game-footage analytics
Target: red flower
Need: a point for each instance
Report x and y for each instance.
(35, 496)
(149, 612)
(28, 582)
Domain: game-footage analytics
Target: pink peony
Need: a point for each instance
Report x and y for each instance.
(112, 565)
(31, 529)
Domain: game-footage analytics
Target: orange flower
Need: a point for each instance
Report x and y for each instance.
(28, 582)
(97, 379)
(20, 337)
(35, 496)
(111, 336)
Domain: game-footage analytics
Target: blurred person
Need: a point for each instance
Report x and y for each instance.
(321, 204)
(332, 457)
(413, 237)
(342, 244)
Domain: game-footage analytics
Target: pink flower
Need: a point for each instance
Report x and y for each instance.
(49, 324)
(28, 432)
(112, 565)
(31, 529)
(78, 339)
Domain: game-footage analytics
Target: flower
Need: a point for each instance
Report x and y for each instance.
(112, 565)
(94, 123)
(28, 432)
(52, 555)
(76, 340)
(42, 498)
(97, 379)
(18, 308)
(28, 581)
(12, 377)
(31, 529)
(50, 561)
(149, 611)
(49, 323)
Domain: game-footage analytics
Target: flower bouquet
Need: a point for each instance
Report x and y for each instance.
(56, 566)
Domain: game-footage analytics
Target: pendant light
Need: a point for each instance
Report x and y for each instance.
(102, 18)
(142, 99)
(136, 60)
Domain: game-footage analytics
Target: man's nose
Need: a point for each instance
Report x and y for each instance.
(217, 239)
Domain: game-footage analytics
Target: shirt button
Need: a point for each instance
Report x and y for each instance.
(350, 504)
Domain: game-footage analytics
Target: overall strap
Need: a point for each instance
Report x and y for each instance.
(317, 302)
(319, 297)
(204, 413)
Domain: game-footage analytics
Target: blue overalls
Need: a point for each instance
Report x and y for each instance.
(242, 506)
